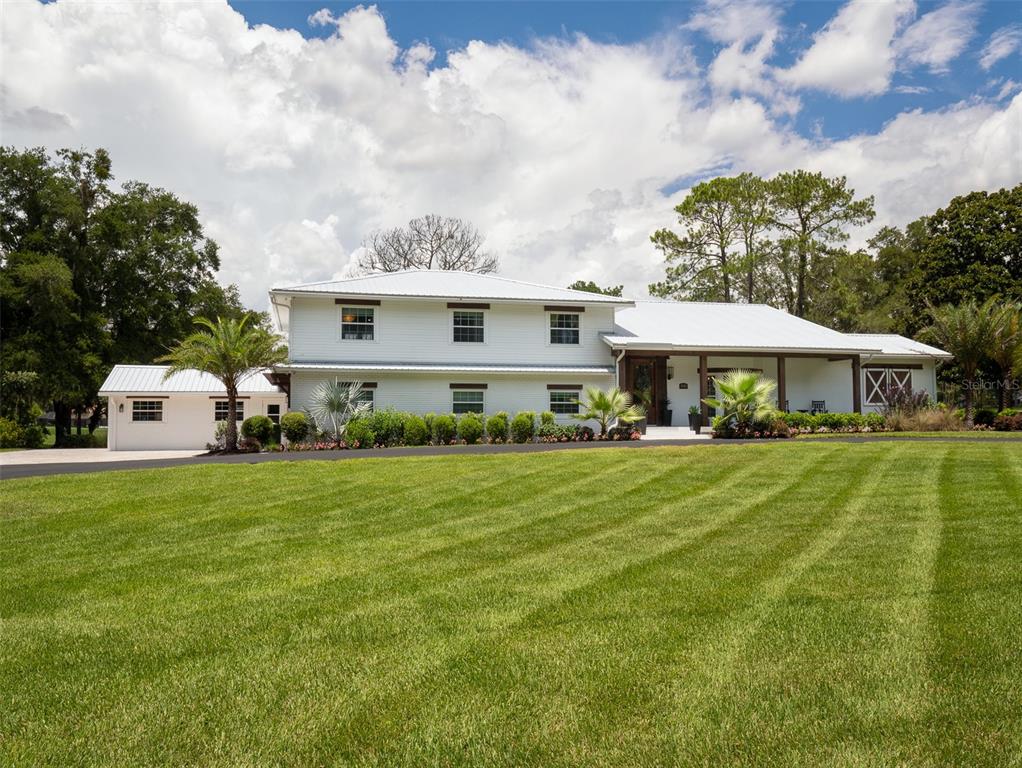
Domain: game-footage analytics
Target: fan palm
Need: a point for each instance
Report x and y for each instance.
(745, 398)
(337, 404)
(1006, 346)
(230, 350)
(966, 332)
(607, 407)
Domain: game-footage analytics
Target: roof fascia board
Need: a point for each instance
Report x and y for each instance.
(617, 303)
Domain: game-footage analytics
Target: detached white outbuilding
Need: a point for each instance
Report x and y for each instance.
(147, 412)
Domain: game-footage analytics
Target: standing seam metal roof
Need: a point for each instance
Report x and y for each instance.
(148, 379)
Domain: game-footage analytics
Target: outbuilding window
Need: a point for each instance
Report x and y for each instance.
(147, 410)
(273, 412)
(220, 410)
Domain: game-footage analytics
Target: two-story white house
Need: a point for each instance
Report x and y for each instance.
(455, 342)
(447, 341)
(442, 342)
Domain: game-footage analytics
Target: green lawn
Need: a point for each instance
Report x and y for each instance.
(793, 603)
(970, 434)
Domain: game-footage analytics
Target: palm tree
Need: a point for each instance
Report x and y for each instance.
(966, 332)
(745, 398)
(338, 404)
(1006, 346)
(607, 407)
(231, 350)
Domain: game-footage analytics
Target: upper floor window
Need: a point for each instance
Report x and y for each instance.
(220, 410)
(147, 410)
(357, 323)
(564, 328)
(468, 326)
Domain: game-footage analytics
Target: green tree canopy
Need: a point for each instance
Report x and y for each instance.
(590, 287)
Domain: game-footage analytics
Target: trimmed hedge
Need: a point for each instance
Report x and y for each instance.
(523, 427)
(260, 427)
(358, 434)
(295, 426)
(470, 428)
(444, 429)
(416, 432)
(834, 422)
(498, 427)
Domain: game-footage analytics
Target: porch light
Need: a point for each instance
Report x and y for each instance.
(670, 372)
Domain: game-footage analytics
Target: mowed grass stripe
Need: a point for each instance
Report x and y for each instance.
(977, 660)
(480, 664)
(603, 607)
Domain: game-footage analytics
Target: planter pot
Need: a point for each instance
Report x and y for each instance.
(640, 425)
(668, 417)
(695, 422)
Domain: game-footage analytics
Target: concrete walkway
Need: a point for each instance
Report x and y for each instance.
(84, 456)
(675, 433)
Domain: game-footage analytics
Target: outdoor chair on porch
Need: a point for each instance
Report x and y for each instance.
(819, 406)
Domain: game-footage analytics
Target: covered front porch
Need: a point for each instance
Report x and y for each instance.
(669, 382)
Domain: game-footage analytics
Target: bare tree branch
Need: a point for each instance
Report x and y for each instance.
(428, 242)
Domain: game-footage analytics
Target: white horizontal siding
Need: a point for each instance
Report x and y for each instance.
(187, 422)
(431, 393)
(412, 331)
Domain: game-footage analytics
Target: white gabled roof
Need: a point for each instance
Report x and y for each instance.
(445, 284)
(148, 380)
(695, 326)
(896, 345)
(587, 370)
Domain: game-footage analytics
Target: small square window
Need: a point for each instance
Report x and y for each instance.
(467, 401)
(220, 410)
(563, 402)
(468, 327)
(147, 410)
(357, 323)
(367, 396)
(564, 328)
(273, 412)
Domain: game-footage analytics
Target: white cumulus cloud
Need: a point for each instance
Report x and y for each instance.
(560, 152)
(1002, 43)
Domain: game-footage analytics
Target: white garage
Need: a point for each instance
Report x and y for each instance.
(146, 412)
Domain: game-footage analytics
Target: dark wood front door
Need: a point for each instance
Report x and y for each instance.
(646, 380)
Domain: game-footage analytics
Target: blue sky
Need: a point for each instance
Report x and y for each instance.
(451, 25)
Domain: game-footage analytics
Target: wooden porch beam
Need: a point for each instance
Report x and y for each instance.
(782, 393)
(702, 389)
(857, 384)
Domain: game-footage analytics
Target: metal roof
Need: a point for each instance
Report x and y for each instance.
(695, 326)
(592, 370)
(148, 379)
(445, 284)
(893, 344)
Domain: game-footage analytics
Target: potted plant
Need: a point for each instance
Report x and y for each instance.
(695, 418)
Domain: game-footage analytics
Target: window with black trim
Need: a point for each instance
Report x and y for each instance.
(468, 326)
(147, 410)
(563, 402)
(273, 412)
(564, 327)
(220, 408)
(467, 401)
(357, 323)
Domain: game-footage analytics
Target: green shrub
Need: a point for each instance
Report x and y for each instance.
(416, 432)
(444, 429)
(429, 418)
(470, 428)
(249, 444)
(387, 425)
(260, 427)
(497, 427)
(358, 434)
(557, 433)
(1009, 420)
(547, 417)
(295, 426)
(984, 417)
(33, 435)
(11, 434)
(523, 427)
(74, 440)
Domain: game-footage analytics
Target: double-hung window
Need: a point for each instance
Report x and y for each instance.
(368, 394)
(467, 401)
(147, 410)
(564, 328)
(357, 323)
(273, 412)
(220, 410)
(563, 402)
(468, 326)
